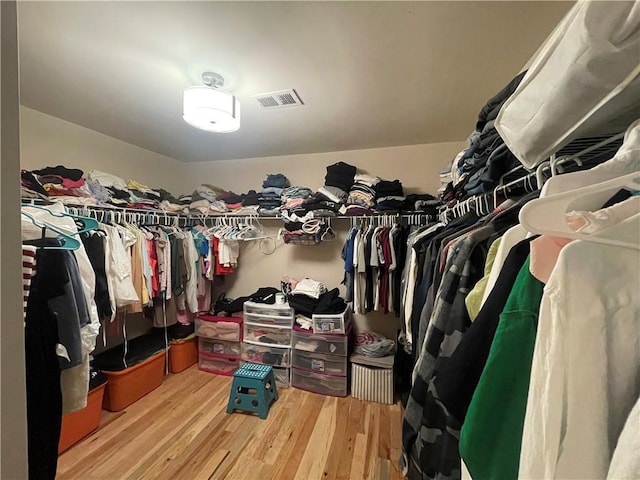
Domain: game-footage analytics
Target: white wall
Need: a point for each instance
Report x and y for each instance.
(50, 141)
(46, 140)
(416, 166)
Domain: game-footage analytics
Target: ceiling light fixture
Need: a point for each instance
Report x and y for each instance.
(208, 108)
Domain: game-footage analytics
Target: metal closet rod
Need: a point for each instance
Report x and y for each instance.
(173, 215)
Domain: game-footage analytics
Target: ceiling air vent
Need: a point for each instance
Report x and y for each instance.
(281, 99)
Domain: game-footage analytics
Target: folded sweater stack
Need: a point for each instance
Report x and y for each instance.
(389, 195)
(363, 192)
(270, 200)
(340, 175)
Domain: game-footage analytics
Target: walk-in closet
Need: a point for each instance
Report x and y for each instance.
(320, 240)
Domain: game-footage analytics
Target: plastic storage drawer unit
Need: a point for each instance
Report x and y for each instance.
(320, 343)
(317, 362)
(219, 347)
(277, 357)
(267, 335)
(318, 383)
(332, 323)
(218, 364)
(220, 328)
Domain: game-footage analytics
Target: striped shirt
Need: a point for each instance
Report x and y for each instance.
(28, 271)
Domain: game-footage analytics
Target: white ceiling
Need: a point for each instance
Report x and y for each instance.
(371, 74)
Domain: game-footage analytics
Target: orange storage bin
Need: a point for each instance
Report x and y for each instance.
(183, 354)
(79, 424)
(131, 384)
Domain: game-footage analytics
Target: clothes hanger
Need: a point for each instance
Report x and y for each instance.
(547, 215)
(88, 223)
(626, 160)
(532, 187)
(67, 242)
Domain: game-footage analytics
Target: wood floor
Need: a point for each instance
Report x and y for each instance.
(181, 431)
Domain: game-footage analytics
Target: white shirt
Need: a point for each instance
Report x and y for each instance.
(625, 463)
(585, 375)
(120, 269)
(356, 277)
(190, 259)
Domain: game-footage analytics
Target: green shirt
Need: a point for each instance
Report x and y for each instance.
(491, 435)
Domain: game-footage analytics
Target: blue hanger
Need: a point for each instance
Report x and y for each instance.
(67, 241)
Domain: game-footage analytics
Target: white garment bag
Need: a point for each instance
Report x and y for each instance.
(585, 80)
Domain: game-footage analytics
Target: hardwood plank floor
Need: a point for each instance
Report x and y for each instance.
(182, 431)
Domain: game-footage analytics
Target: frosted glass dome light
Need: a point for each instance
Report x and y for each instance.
(208, 108)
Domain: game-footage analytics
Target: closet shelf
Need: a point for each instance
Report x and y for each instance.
(157, 215)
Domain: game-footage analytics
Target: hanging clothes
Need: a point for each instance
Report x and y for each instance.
(42, 373)
(137, 274)
(582, 300)
(459, 375)
(75, 380)
(490, 438)
(94, 244)
(119, 267)
(373, 261)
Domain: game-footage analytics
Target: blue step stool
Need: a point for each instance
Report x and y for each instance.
(253, 389)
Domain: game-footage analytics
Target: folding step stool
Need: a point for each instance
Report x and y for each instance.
(253, 389)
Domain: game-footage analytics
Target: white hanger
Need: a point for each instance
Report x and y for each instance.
(626, 160)
(547, 215)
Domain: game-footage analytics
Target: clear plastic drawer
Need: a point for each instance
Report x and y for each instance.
(278, 357)
(317, 362)
(219, 347)
(221, 365)
(318, 383)
(221, 328)
(270, 310)
(332, 323)
(267, 335)
(320, 343)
